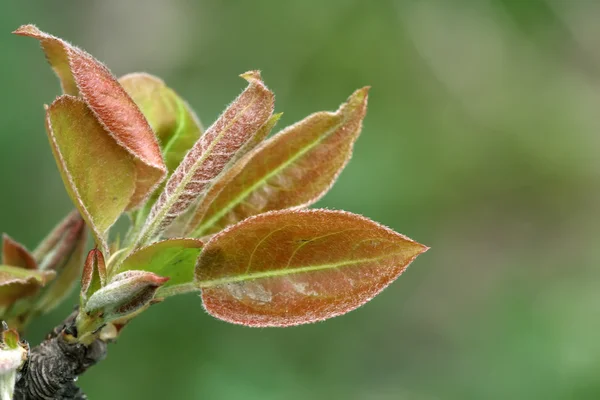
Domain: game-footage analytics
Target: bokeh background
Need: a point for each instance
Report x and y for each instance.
(481, 141)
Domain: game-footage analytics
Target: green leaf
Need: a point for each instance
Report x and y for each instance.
(172, 258)
(211, 154)
(172, 120)
(293, 169)
(15, 254)
(17, 283)
(100, 176)
(84, 76)
(293, 267)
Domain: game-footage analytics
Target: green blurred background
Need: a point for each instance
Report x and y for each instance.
(481, 141)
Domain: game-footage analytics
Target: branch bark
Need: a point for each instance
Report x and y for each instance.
(52, 367)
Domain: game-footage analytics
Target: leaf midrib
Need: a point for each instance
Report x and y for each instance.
(290, 271)
(147, 234)
(237, 200)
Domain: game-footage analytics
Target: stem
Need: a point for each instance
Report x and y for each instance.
(176, 289)
(53, 366)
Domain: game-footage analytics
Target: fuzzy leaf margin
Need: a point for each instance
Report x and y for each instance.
(289, 267)
(293, 169)
(82, 75)
(211, 154)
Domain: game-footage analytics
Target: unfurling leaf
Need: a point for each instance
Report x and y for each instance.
(55, 250)
(98, 174)
(294, 267)
(16, 283)
(126, 293)
(172, 258)
(293, 169)
(65, 256)
(15, 254)
(211, 153)
(172, 120)
(94, 275)
(84, 76)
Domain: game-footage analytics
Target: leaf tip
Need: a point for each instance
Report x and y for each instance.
(252, 76)
(27, 30)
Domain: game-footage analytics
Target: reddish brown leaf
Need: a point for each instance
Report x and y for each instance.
(83, 75)
(173, 121)
(15, 254)
(94, 274)
(67, 260)
(293, 169)
(56, 248)
(207, 158)
(293, 267)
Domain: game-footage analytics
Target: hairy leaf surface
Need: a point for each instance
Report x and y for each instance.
(172, 258)
(82, 75)
(98, 174)
(293, 169)
(126, 293)
(93, 276)
(175, 124)
(211, 153)
(294, 267)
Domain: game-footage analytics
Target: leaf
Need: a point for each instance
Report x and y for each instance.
(98, 174)
(172, 258)
(293, 267)
(174, 123)
(56, 248)
(207, 158)
(16, 283)
(93, 276)
(257, 138)
(62, 251)
(293, 169)
(82, 75)
(15, 254)
(126, 293)
(181, 225)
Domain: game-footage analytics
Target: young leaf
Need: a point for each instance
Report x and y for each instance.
(207, 158)
(293, 169)
(15, 254)
(56, 248)
(98, 174)
(16, 283)
(293, 267)
(67, 261)
(126, 293)
(181, 225)
(82, 75)
(172, 258)
(172, 120)
(93, 276)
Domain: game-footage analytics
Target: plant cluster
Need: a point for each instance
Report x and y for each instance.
(221, 211)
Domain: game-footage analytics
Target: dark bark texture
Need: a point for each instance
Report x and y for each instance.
(52, 367)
